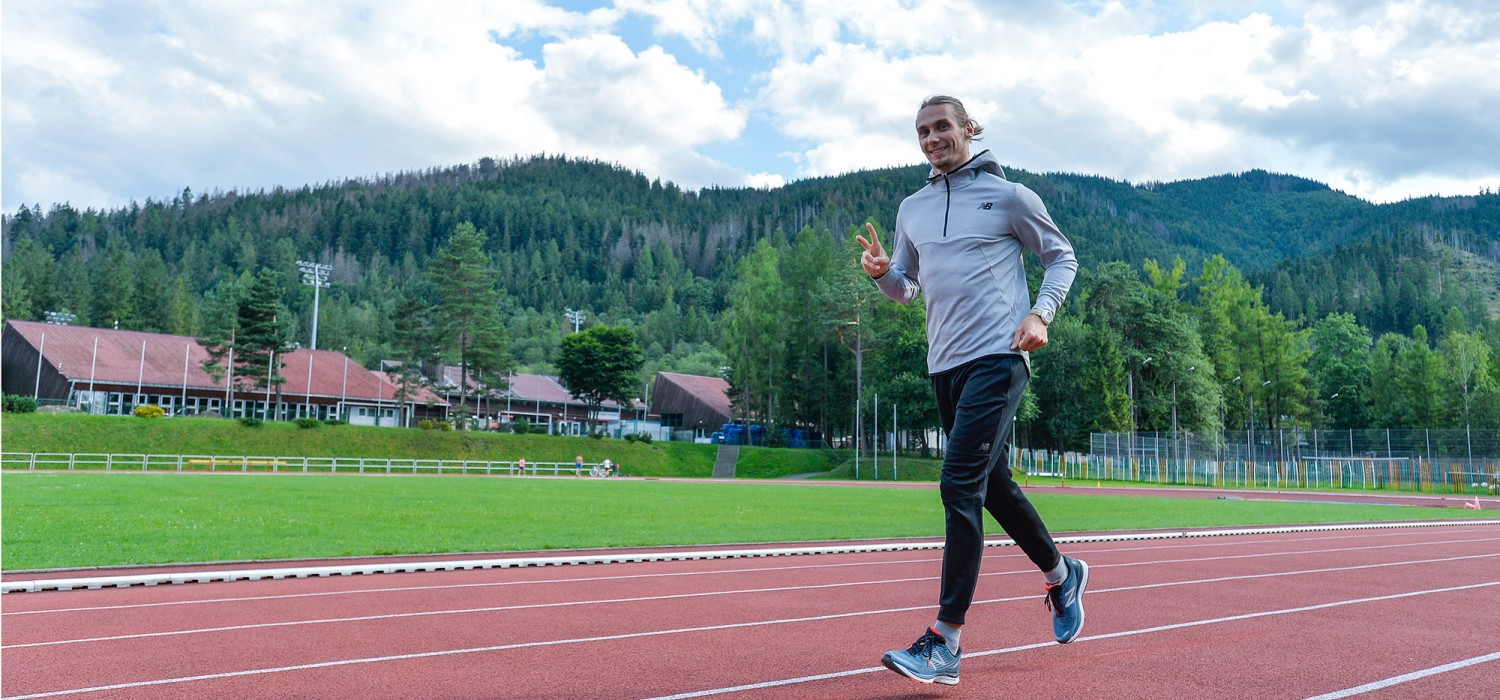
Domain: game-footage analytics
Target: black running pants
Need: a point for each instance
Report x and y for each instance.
(977, 402)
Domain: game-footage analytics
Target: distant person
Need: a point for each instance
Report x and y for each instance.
(578, 464)
(521, 465)
(959, 241)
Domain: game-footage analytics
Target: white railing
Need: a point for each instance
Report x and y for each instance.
(65, 461)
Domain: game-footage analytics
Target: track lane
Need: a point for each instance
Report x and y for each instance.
(455, 671)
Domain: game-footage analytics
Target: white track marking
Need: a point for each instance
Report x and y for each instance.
(751, 570)
(624, 577)
(7, 587)
(719, 691)
(1405, 677)
(1111, 635)
(750, 591)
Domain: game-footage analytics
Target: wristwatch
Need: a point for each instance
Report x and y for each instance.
(1046, 316)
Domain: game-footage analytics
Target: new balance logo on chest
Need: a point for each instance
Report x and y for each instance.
(987, 205)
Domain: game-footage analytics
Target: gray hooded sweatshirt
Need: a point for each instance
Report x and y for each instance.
(959, 241)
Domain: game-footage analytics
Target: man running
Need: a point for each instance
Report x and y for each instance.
(959, 241)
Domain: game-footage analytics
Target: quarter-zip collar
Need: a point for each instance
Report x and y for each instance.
(984, 161)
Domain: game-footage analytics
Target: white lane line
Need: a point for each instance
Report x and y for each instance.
(753, 570)
(1405, 677)
(709, 594)
(64, 584)
(486, 584)
(719, 691)
(1112, 635)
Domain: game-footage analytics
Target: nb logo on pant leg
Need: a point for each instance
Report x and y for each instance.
(985, 447)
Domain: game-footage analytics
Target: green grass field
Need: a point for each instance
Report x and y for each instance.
(74, 433)
(72, 520)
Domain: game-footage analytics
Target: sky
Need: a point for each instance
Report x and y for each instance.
(108, 102)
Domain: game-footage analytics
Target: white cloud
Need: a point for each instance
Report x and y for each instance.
(765, 181)
(604, 96)
(257, 95)
(103, 103)
(1393, 93)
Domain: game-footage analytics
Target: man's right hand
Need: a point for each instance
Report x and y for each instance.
(874, 260)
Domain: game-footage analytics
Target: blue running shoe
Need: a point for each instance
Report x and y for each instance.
(1065, 600)
(928, 660)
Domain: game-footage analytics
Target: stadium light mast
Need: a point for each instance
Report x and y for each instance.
(315, 274)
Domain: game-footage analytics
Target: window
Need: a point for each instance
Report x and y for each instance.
(671, 420)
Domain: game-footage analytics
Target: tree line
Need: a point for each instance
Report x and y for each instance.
(760, 285)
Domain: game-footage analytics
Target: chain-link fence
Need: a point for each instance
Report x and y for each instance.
(1445, 461)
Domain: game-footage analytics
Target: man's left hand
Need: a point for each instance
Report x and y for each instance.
(1031, 335)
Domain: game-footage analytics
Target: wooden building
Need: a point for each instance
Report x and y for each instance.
(692, 406)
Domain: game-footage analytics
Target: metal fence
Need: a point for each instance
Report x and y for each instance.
(59, 461)
(1443, 461)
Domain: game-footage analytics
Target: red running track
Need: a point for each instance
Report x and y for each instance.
(1401, 612)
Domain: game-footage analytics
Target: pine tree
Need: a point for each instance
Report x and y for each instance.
(467, 314)
(260, 345)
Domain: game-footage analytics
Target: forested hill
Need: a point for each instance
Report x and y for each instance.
(569, 233)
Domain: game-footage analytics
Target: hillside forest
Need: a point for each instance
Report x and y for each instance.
(1209, 300)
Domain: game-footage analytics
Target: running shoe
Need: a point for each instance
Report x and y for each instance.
(928, 660)
(1065, 600)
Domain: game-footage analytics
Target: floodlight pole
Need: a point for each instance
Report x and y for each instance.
(315, 274)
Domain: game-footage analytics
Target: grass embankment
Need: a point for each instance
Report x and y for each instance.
(79, 519)
(72, 433)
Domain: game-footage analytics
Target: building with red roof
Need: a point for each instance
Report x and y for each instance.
(110, 371)
(537, 399)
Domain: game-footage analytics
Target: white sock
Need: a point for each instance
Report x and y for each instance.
(1059, 574)
(950, 634)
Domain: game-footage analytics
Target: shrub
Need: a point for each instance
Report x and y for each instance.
(15, 403)
(307, 422)
(643, 437)
(333, 421)
(250, 422)
(520, 426)
(147, 410)
(431, 424)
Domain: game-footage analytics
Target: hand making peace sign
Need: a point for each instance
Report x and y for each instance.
(875, 260)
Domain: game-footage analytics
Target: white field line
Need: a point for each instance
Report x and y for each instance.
(756, 570)
(1406, 677)
(63, 584)
(719, 691)
(708, 594)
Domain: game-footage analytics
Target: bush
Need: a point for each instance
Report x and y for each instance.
(520, 426)
(431, 424)
(147, 410)
(250, 422)
(643, 437)
(333, 421)
(307, 422)
(15, 403)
